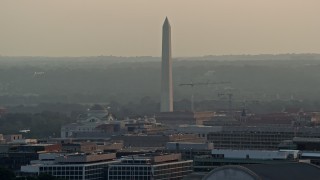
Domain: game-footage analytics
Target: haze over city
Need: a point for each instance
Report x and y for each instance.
(132, 28)
(159, 90)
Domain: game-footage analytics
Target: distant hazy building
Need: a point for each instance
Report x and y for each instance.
(199, 130)
(250, 137)
(189, 150)
(155, 140)
(85, 147)
(97, 121)
(258, 137)
(166, 69)
(221, 157)
(176, 118)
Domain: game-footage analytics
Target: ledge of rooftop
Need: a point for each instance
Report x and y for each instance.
(85, 158)
(155, 158)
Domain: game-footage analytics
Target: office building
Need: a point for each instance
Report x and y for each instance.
(150, 167)
(71, 166)
(221, 157)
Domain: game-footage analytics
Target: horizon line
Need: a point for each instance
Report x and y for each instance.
(209, 55)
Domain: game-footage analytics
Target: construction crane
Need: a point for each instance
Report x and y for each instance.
(230, 112)
(192, 84)
(244, 102)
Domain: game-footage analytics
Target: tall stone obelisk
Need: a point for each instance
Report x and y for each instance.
(166, 69)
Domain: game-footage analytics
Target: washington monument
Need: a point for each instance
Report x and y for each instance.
(166, 69)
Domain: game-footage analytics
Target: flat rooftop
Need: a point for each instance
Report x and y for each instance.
(84, 158)
(152, 158)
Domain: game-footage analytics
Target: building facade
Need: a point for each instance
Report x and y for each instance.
(150, 167)
(72, 166)
(221, 157)
(258, 137)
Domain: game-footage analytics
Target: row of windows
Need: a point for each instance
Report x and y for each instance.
(172, 175)
(126, 178)
(62, 172)
(128, 168)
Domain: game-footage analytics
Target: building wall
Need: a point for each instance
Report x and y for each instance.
(12, 137)
(201, 131)
(253, 139)
(79, 147)
(14, 160)
(92, 171)
(143, 141)
(165, 171)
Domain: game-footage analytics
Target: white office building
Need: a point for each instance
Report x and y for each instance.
(72, 166)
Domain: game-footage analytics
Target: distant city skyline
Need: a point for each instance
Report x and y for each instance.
(133, 28)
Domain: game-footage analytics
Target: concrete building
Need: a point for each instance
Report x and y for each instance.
(188, 145)
(12, 137)
(143, 126)
(189, 150)
(310, 157)
(258, 137)
(96, 122)
(18, 155)
(221, 157)
(199, 130)
(222, 121)
(166, 69)
(71, 166)
(300, 143)
(36, 148)
(130, 141)
(150, 167)
(85, 147)
(99, 124)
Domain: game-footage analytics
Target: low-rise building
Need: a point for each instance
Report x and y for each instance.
(174, 119)
(300, 143)
(17, 155)
(258, 137)
(12, 137)
(78, 166)
(220, 157)
(84, 147)
(144, 140)
(150, 167)
(189, 150)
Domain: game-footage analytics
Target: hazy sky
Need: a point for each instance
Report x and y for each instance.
(133, 27)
